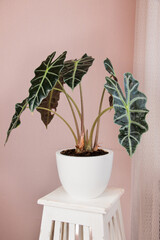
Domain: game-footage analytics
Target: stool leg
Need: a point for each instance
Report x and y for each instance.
(99, 231)
(57, 230)
(86, 233)
(115, 224)
(112, 230)
(120, 221)
(72, 231)
(97, 234)
(117, 227)
(46, 227)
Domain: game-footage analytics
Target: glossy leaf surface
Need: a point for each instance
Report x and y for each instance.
(74, 70)
(50, 102)
(46, 77)
(19, 108)
(108, 66)
(130, 111)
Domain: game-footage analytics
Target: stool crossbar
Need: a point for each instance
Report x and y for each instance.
(65, 218)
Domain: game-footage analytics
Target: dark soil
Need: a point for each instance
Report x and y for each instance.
(72, 152)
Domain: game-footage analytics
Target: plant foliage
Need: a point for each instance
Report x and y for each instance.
(74, 70)
(108, 66)
(46, 77)
(130, 111)
(49, 82)
(19, 108)
(50, 102)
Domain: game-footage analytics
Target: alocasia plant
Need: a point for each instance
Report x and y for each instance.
(50, 80)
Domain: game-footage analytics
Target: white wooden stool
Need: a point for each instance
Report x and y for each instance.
(65, 218)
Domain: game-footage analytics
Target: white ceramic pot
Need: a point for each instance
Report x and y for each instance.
(84, 177)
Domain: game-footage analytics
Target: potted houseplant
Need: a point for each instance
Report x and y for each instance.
(85, 170)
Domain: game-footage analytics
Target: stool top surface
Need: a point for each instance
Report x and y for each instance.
(59, 198)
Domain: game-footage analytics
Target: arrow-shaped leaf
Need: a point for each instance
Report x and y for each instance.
(46, 77)
(50, 102)
(19, 108)
(108, 66)
(130, 111)
(74, 70)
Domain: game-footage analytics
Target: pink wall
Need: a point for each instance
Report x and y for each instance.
(29, 31)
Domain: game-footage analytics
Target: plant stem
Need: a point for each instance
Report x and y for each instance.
(89, 147)
(82, 120)
(78, 111)
(74, 135)
(82, 109)
(75, 119)
(98, 123)
(74, 103)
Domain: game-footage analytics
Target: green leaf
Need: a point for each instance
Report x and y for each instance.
(130, 111)
(110, 70)
(109, 67)
(19, 108)
(50, 102)
(74, 70)
(46, 77)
